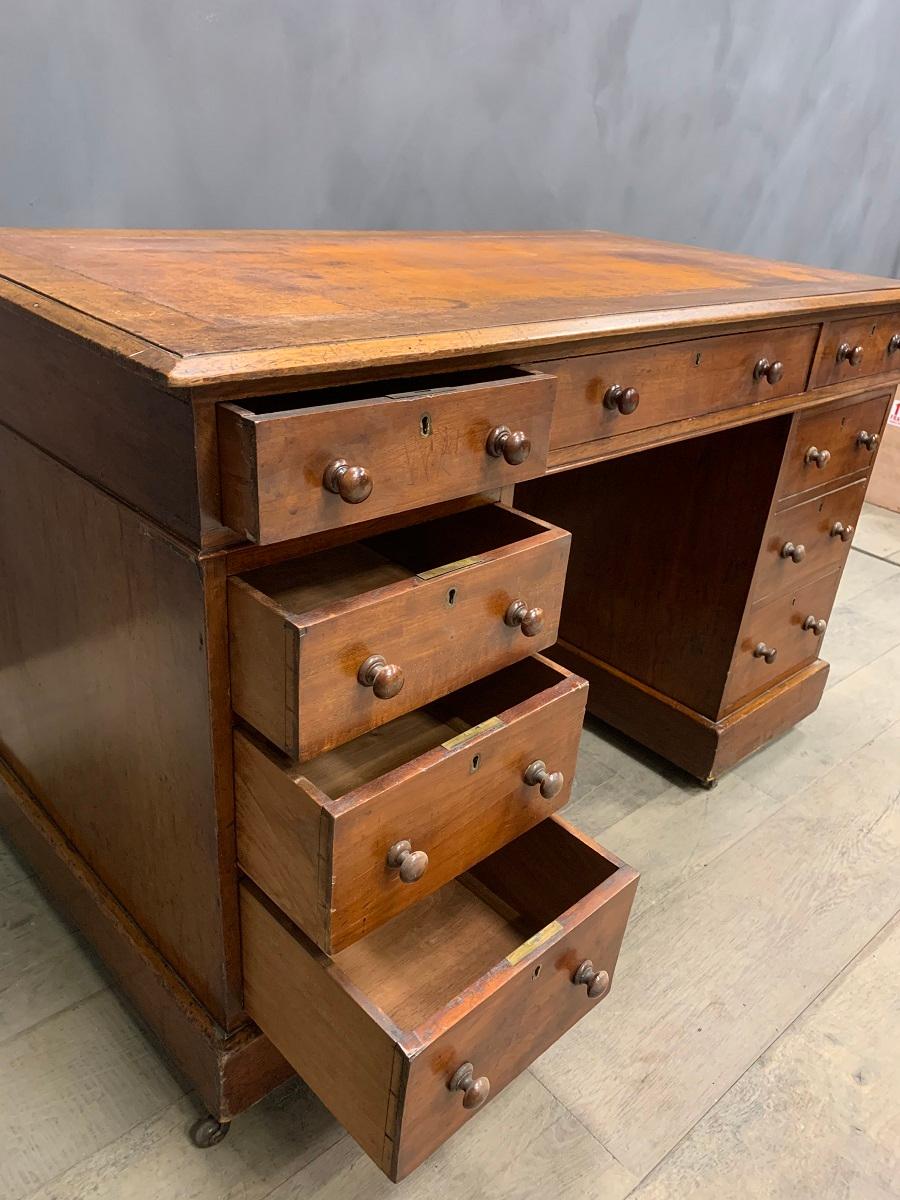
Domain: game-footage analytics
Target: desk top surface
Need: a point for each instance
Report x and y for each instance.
(197, 309)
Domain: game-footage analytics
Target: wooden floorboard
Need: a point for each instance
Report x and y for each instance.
(817, 1115)
(709, 979)
(748, 1048)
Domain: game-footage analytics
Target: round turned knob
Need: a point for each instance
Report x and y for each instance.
(794, 553)
(624, 399)
(820, 457)
(849, 354)
(385, 679)
(869, 440)
(844, 532)
(769, 653)
(529, 620)
(503, 443)
(411, 863)
(475, 1091)
(894, 344)
(551, 781)
(772, 372)
(352, 484)
(814, 626)
(597, 981)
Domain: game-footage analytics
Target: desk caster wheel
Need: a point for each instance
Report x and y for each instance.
(709, 784)
(208, 1132)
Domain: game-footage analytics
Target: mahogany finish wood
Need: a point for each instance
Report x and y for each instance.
(676, 381)
(779, 625)
(871, 335)
(238, 311)
(664, 547)
(167, 398)
(705, 748)
(384, 1032)
(105, 709)
(229, 1071)
(431, 600)
(823, 527)
(835, 430)
(316, 837)
(413, 445)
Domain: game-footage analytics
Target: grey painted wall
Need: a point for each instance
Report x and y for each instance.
(766, 126)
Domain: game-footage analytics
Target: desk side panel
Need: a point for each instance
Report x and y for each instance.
(103, 420)
(105, 709)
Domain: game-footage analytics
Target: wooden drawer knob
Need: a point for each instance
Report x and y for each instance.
(894, 344)
(529, 620)
(385, 679)
(551, 781)
(623, 399)
(475, 1091)
(772, 372)
(820, 457)
(794, 553)
(811, 625)
(869, 440)
(352, 484)
(412, 864)
(769, 653)
(844, 532)
(849, 354)
(597, 981)
(514, 448)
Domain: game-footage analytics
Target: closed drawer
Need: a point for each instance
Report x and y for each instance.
(807, 540)
(831, 442)
(670, 383)
(481, 972)
(789, 626)
(345, 842)
(351, 454)
(852, 349)
(327, 647)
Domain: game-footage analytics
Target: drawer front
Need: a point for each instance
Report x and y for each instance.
(807, 540)
(861, 346)
(288, 473)
(510, 1021)
(676, 381)
(326, 861)
(780, 626)
(829, 443)
(297, 680)
(340, 1023)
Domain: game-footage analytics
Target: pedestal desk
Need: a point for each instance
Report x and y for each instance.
(309, 543)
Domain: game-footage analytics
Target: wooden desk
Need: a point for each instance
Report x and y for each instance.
(285, 531)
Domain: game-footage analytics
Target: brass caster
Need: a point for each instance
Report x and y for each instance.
(709, 784)
(208, 1132)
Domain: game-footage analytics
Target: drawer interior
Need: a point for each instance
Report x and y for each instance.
(343, 573)
(292, 402)
(392, 746)
(470, 925)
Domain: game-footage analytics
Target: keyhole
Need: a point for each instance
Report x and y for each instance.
(536, 971)
(476, 762)
(451, 597)
(697, 359)
(425, 425)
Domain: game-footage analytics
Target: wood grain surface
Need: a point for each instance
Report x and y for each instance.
(316, 837)
(295, 668)
(216, 307)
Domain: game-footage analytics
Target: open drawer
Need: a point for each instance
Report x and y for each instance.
(292, 465)
(345, 842)
(406, 1033)
(326, 647)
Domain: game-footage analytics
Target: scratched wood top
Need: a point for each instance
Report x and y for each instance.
(201, 308)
